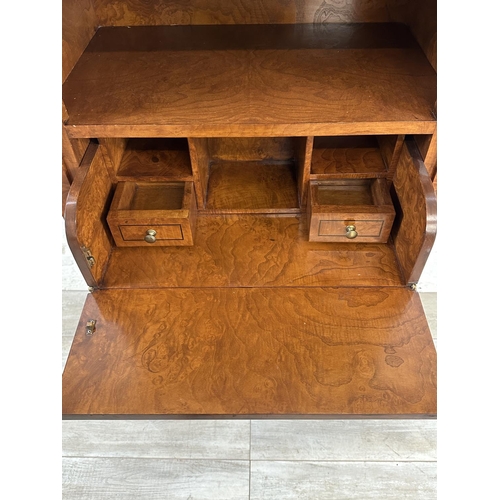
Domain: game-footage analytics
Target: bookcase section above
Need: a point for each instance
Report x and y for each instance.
(248, 81)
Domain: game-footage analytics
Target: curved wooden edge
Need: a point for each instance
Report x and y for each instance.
(431, 213)
(70, 215)
(413, 267)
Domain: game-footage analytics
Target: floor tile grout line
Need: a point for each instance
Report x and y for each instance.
(345, 461)
(250, 462)
(99, 457)
(307, 460)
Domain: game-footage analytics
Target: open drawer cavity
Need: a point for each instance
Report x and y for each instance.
(355, 156)
(153, 214)
(350, 210)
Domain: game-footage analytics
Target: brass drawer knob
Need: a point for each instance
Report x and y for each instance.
(350, 232)
(150, 236)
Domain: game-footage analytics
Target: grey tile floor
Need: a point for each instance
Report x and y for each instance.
(246, 459)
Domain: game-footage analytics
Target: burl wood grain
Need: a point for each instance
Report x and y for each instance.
(129, 13)
(414, 229)
(253, 250)
(155, 160)
(251, 148)
(252, 352)
(112, 150)
(79, 24)
(85, 216)
(347, 162)
(350, 157)
(274, 80)
(252, 187)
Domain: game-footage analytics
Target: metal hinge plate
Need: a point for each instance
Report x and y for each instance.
(90, 327)
(88, 256)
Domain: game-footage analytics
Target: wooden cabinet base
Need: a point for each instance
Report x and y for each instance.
(252, 352)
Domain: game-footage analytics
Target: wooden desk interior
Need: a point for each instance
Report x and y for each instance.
(241, 297)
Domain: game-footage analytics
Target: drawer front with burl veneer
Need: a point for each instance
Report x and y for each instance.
(153, 214)
(350, 210)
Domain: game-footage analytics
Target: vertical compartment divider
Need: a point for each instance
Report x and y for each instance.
(390, 149)
(112, 151)
(304, 147)
(200, 166)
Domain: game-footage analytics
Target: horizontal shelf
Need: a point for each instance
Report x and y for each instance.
(155, 160)
(256, 80)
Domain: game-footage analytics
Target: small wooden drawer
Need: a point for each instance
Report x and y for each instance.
(153, 214)
(350, 210)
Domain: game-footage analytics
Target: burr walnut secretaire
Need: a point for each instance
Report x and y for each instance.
(248, 192)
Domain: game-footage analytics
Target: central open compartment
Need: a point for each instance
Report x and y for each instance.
(253, 174)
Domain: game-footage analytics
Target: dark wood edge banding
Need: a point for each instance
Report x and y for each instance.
(426, 416)
(70, 214)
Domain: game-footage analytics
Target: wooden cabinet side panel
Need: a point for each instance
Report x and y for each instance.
(78, 27)
(87, 204)
(421, 16)
(414, 229)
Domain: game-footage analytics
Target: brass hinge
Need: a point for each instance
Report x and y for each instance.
(88, 256)
(90, 327)
(413, 286)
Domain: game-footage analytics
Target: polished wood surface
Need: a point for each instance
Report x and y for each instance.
(303, 152)
(252, 187)
(390, 149)
(79, 24)
(252, 250)
(235, 81)
(427, 145)
(200, 165)
(222, 117)
(87, 205)
(414, 229)
(251, 148)
(338, 157)
(169, 12)
(155, 160)
(244, 352)
(421, 16)
(252, 130)
(72, 155)
(112, 150)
